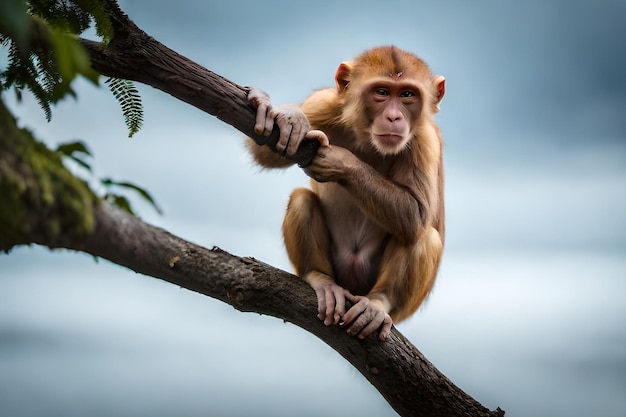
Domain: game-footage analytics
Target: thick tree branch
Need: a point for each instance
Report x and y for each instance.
(134, 55)
(411, 384)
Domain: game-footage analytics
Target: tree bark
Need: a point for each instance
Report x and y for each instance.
(134, 55)
(407, 380)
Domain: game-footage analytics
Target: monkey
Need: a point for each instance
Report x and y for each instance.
(368, 234)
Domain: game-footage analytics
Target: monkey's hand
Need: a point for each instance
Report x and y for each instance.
(265, 115)
(331, 301)
(332, 163)
(366, 316)
(292, 123)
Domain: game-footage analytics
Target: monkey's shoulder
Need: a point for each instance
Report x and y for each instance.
(322, 108)
(321, 97)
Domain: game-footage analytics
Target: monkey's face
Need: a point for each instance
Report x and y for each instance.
(394, 109)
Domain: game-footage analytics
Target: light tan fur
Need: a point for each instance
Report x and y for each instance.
(376, 228)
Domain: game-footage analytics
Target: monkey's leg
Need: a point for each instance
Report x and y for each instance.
(305, 233)
(407, 274)
(308, 245)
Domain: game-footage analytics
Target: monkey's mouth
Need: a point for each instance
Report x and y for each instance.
(389, 139)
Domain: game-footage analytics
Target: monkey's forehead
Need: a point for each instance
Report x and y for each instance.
(390, 62)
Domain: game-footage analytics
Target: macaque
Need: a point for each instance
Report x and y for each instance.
(368, 235)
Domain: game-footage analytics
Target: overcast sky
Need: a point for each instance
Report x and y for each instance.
(529, 308)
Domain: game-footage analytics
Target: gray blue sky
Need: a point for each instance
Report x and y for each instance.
(528, 312)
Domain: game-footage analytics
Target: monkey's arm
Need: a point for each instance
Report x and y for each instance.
(396, 208)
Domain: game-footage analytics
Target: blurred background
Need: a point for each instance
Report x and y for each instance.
(529, 309)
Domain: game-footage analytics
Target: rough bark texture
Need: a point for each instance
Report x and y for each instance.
(411, 384)
(407, 380)
(134, 55)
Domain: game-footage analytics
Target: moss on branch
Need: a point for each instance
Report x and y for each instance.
(40, 200)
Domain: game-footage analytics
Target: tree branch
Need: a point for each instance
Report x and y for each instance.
(411, 384)
(136, 56)
(407, 380)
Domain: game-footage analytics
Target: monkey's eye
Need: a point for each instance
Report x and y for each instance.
(407, 94)
(381, 92)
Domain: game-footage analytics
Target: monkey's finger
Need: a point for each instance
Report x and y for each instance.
(319, 136)
(283, 138)
(351, 297)
(321, 305)
(346, 297)
(301, 127)
(333, 296)
(259, 124)
(297, 134)
(386, 329)
(263, 111)
(340, 304)
(269, 121)
(372, 326)
(354, 312)
(360, 323)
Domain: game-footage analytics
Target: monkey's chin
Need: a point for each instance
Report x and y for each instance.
(389, 143)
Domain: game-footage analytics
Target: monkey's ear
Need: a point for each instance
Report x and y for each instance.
(342, 76)
(440, 87)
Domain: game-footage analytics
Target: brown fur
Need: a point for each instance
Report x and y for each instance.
(377, 231)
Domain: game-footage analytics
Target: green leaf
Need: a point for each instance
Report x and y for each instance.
(71, 60)
(71, 148)
(75, 151)
(81, 163)
(14, 20)
(108, 183)
(119, 201)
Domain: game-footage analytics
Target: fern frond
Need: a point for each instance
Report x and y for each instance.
(127, 95)
(101, 16)
(45, 73)
(29, 72)
(42, 96)
(65, 15)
